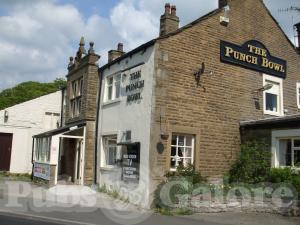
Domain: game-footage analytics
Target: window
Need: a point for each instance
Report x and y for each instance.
(113, 87)
(289, 152)
(182, 150)
(111, 150)
(298, 94)
(273, 100)
(42, 149)
(75, 100)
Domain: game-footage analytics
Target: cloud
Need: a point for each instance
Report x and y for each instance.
(37, 37)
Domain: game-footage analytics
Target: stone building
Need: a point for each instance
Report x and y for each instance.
(192, 95)
(71, 148)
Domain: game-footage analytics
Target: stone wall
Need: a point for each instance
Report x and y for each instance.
(213, 110)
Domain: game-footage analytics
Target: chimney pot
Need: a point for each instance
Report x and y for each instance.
(120, 47)
(173, 10)
(223, 3)
(298, 33)
(167, 8)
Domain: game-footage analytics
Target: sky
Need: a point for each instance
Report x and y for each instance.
(37, 37)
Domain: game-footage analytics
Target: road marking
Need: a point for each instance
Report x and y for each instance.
(44, 218)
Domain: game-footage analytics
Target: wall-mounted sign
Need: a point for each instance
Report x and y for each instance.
(41, 171)
(253, 55)
(131, 163)
(135, 87)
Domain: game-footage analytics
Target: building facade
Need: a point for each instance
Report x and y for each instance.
(194, 94)
(17, 126)
(71, 147)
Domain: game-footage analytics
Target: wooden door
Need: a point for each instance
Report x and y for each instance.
(5, 151)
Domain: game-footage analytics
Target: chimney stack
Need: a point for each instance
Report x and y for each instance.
(223, 3)
(114, 54)
(298, 35)
(169, 21)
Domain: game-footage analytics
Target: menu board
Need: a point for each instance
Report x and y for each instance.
(131, 162)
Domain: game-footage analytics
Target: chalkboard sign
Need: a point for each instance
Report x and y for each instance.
(131, 162)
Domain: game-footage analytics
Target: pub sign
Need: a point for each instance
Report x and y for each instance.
(253, 55)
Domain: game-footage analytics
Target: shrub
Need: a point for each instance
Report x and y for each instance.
(252, 165)
(188, 177)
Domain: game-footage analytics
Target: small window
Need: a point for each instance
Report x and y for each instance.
(182, 150)
(113, 87)
(111, 150)
(42, 149)
(298, 94)
(273, 104)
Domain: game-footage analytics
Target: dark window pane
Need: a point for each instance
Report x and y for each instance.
(271, 102)
(180, 151)
(297, 143)
(173, 151)
(181, 141)
(297, 158)
(174, 140)
(173, 162)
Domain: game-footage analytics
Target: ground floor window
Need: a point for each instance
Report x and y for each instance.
(182, 150)
(111, 150)
(289, 152)
(42, 149)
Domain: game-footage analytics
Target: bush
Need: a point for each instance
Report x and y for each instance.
(188, 177)
(252, 165)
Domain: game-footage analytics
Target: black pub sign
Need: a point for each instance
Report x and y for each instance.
(131, 162)
(253, 55)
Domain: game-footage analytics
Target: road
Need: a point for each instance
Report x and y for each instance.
(11, 220)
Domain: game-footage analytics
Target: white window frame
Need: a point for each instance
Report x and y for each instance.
(105, 149)
(298, 94)
(177, 158)
(267, 79)
(116, 79)
(43, 149)
(281, 135)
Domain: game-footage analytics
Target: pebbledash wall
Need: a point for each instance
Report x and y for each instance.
(211, 111)
(25, 120)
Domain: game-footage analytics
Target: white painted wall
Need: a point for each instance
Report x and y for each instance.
(24, 121)
(117, 117)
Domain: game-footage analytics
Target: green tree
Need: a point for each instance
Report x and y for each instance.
(27, 91)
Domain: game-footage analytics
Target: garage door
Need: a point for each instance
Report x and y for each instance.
(5, 151)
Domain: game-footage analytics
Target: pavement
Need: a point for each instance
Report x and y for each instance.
(66, 204)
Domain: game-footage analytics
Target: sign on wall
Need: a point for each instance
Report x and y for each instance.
(135, 86)
(253, 55)
(41, 171)
(131, 163)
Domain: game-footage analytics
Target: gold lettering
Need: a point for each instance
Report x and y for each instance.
(254, 60)
(265, 62)
(251, 48)
(243, 57)
(264, 52)
(229, 51)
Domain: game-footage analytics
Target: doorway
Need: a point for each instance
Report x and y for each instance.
(5, 151)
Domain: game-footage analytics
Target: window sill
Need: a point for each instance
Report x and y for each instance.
(111, 102)
(271, 113)
(109, 168)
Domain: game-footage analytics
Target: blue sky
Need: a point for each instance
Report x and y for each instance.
(38, 36)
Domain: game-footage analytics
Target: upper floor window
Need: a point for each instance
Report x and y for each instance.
(112, 87)
(298, 94)
(273, 99)
(182, 150)
(75, 99)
